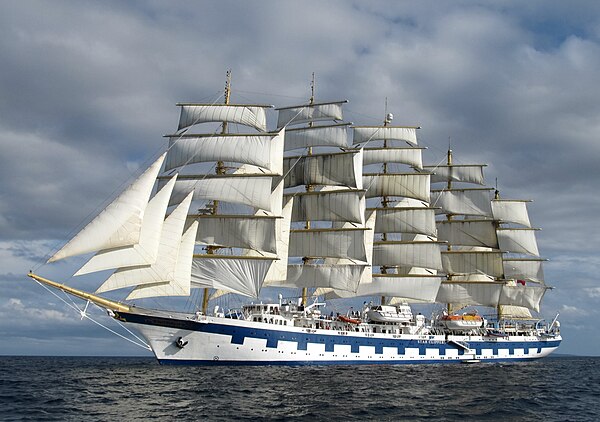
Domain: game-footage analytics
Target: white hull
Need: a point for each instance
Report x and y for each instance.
(247, 342)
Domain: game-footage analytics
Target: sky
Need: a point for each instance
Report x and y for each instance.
(88, 89)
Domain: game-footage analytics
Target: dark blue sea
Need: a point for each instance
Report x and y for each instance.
(138, 389)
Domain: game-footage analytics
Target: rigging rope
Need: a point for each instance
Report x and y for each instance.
(84, 314)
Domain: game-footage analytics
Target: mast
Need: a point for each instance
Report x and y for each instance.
(384, 199)
(475, 262)
(220, 169)
(405, 258)
(523, 276)
(471, 258)
(499, 307)
(327, 233)
(449, 216)
(308, 187)
(249, 232)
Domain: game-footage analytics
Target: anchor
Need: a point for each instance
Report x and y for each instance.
(180, 343)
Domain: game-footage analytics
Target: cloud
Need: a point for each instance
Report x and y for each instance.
(15, 309)
(88, 90)
(593, 292)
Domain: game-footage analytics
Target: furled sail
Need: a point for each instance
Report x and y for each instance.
(119, 224)
(247, 115)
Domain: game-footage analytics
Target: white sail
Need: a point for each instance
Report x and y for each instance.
(241, 231)
(473, 262)
(370, 217)
(238, 189)
(262, 150)
(515, 312)
(524, 269)
(391, 133)
(410, 156)
(146, 251)
(241, 275)
(463, 201)
(408, 185)
(119, 224)
(414, 288)
(163, 269)
(247, 115)
(410, 254)
(470, 293)
(329, 205)
(333, 169)
(178, 282)
(330, 243)
(406, 220)
(278, 270)
(468, 232)
(526, 296)
(369, 224)
(468, 173)
(309, 113)
(518, 241)
(511, 211)
(341, 277)
(315, 136)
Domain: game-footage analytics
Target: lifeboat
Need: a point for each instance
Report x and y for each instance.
(389, 314)
(348, 320)
(462, 322)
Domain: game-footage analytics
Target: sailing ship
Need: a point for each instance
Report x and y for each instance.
(305, 209)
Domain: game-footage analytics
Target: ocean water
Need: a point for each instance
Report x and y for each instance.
(138, 389)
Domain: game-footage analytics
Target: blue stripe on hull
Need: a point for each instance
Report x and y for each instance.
(323, 363)
(273, 336)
